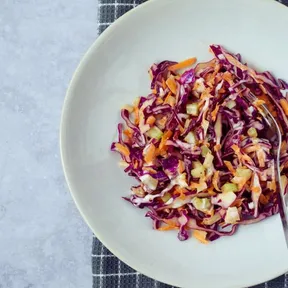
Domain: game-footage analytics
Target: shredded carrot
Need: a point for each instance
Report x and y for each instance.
(183, 64)
(283, 146)
(181, 167)
(252, 148)
(264, 199)
(167, 228)
(215, 112)
(240, 155)
(128, 132)
(159, 101)
(284, 105)
(162, 121)
(211, 191)
(136, 115)
(150, 74)
(129, 108)
(227, 76)
(261, 157)
(164, 138)
(267, 102)
(135, 164)
(237, 203)
(154, 91)
(172, 85)
(164, 86)
(181, 128)
(200, 236)
(150, 154)
(170, 100)
(215, 180)
(151, 120)
(122, 149)
(235, 148)
(256, 189)
(217, 147)
(150, 170)
(181, 192)
(136, 102)
(230, 167)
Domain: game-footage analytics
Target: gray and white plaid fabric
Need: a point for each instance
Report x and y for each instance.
(108, 271)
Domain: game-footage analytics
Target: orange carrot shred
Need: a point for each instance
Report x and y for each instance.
(264, 199)
(150, 154)
(181, 166)
(237, 203)
(172, 85)
(151, 120)
(217, 147)
(150, 74)
(230, 167)
(122, 149)
(128, 132)
(167, 228)
(162, 121)
(211, 191)
(183, 64)
(136, 115)
(159, 101)
(170, 100)
(255, 189)
(215, 112)
(284, 105)
(215, 180)
(181, 192)
(165, 137)
(200, 236)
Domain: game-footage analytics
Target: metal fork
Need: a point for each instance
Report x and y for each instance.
(275, 135)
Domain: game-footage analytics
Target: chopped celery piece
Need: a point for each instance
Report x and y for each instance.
(231, 104)
(180, 180)
(244, 172)
(229, 187)
(211, 220)
(149, 181)
(252, 132)
(226, 199)
(155, 133)
(198, 172)
(201, 186)
(205, 150)
(166, 197)
(208, 162)
(201, 204)
(192, 109)
(196, 164)
(190, 138)
(232, 215)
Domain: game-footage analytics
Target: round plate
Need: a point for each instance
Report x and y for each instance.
(113, 73)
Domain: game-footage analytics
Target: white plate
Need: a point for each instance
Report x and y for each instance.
(114, 72)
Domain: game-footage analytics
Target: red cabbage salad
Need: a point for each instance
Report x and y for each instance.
(198, 148)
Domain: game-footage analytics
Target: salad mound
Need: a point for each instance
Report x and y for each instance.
(199, 149)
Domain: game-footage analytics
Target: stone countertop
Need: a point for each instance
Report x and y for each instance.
(43, 240)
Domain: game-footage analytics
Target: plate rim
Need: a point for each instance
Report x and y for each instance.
(63, 123)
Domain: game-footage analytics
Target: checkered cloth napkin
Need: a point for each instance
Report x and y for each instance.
(108, 270)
